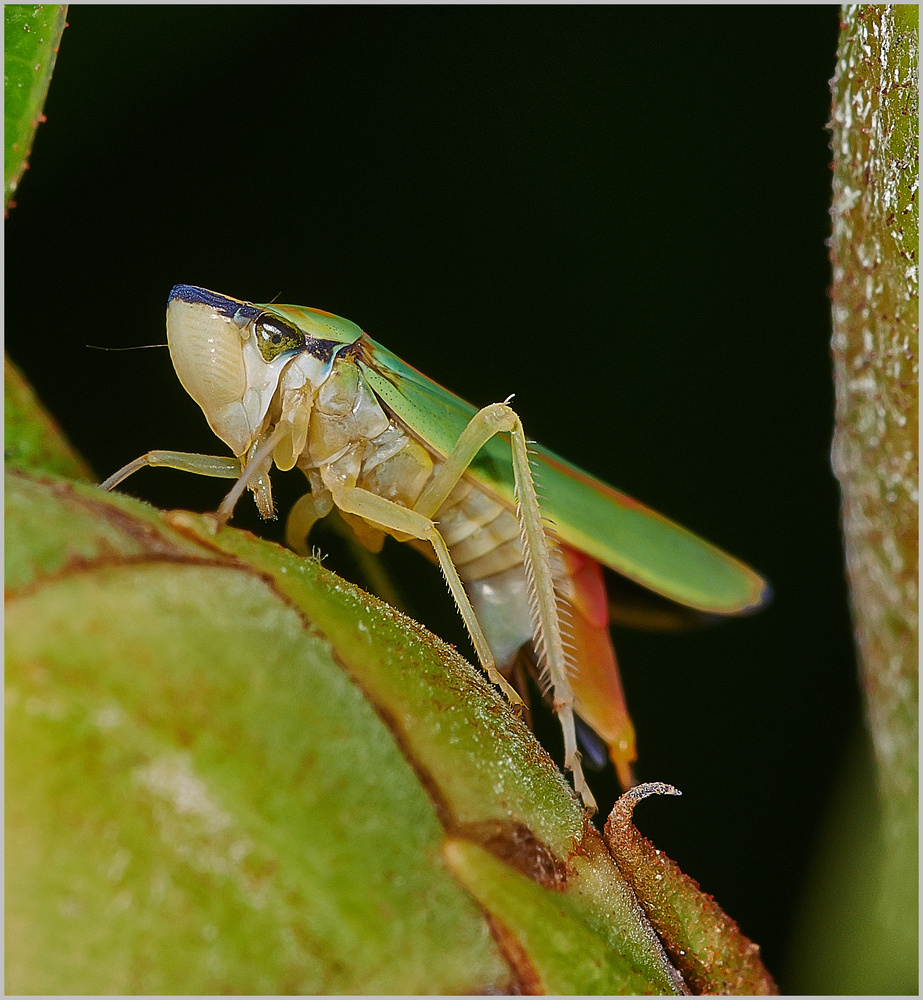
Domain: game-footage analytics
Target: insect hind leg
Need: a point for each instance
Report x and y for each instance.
(546, 609)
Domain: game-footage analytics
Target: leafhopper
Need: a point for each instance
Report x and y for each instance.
(397, 454)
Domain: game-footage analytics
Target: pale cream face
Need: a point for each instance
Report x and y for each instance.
(218, 361)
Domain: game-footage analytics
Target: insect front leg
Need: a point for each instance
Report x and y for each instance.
(255, 473)
(216, 466)
(546, 610)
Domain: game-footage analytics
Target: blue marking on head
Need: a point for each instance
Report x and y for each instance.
(221, 303)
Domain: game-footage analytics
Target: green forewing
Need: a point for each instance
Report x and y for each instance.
(587, 515)
(316, 323)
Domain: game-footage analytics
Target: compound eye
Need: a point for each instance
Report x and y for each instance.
(274, 336)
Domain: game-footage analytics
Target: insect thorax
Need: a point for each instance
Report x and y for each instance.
(352, 441)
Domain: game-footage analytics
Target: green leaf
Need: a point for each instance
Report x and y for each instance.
(31, 35)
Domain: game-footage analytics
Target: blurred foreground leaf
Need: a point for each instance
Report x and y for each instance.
(33, 439)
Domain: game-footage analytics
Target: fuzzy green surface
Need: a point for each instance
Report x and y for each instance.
(199, 799)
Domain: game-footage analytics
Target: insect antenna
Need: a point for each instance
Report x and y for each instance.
(136, 347)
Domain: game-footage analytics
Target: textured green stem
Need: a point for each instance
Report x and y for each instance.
(875, 453)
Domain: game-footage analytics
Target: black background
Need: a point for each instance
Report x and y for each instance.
(618, 214)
